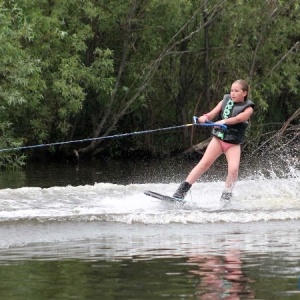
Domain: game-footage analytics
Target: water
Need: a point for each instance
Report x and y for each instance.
(89, 232)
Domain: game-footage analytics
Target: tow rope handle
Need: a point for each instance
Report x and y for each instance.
(210, 124)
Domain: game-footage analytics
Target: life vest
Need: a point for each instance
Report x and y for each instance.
(234, 134)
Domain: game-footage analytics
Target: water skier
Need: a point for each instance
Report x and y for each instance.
(233, 111)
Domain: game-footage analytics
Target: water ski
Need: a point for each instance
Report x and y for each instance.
(162, 197)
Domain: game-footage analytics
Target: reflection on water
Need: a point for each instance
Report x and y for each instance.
(139, 172)
(109, 241)
(110, 171)
(234, 275)
(135, 261)
(221, 277)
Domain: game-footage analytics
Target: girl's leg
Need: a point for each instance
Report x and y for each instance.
(213, 151)
(233, 156)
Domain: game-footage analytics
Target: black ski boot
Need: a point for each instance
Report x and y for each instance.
(226, 196)
(182, 190)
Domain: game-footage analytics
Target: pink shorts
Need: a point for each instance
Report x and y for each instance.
(225, 146)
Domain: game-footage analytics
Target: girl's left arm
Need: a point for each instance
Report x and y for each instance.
(242, 117)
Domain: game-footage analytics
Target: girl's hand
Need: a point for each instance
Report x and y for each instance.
(203, 119)
(222, 122)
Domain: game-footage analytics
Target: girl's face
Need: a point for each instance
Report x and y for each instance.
(237, 94)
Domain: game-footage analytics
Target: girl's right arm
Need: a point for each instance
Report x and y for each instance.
(212, 114)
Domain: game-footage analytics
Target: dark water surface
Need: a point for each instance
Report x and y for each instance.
(89, 232)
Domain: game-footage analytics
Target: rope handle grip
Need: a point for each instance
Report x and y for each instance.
(212, 124)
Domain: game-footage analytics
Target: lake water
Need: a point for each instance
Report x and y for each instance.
(89, 232)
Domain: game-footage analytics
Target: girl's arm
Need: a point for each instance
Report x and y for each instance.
(212, 114)
(242, 117)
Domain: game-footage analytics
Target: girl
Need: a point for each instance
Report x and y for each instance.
(234, 111)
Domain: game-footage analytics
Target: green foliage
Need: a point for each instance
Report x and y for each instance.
(74, 68)
(19, 77)
(12, 159)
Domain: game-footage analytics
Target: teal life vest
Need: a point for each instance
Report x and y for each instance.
(234, 134)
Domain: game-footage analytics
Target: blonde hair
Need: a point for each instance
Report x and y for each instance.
(245, 86)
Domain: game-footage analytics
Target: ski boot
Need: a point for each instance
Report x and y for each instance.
(182, 190)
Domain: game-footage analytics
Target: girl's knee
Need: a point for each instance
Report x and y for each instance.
(204, 166)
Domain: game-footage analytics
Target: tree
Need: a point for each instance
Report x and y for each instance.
(19, 80)
(77, 69)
